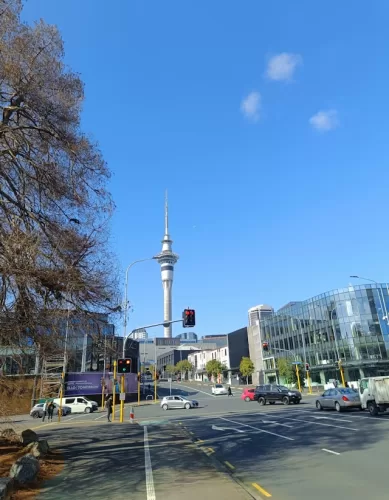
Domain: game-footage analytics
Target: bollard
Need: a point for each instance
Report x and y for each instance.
(132, 415)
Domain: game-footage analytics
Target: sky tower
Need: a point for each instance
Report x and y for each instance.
(166, 260)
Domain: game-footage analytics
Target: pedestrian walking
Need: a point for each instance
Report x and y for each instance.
(108, 406)
(229, 391)
(346, 384)
(44, 409)
(50, 411)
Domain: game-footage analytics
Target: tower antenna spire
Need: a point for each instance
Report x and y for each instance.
(166, 215)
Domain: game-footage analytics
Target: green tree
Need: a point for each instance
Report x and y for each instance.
(184, 367)
(286, 370)
(214, 367)
(246, 368)
(170, 369)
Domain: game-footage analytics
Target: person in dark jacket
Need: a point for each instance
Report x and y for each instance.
(108, 406)
(50, 411)
(229, 391)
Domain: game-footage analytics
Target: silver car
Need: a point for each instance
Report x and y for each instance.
(169, 402)
(37, 410)
(338, 399)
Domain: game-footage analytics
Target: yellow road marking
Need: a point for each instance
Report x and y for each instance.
(261, 490)
(211, 450)
(229, 465)
(200, 441)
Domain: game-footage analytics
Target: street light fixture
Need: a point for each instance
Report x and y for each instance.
(155, 257)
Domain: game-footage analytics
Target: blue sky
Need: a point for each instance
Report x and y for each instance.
(268, 124)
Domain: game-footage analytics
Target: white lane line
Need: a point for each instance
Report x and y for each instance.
(330, 451)
(319, 423)
(199, 390)
(150, 490)
(257, 429)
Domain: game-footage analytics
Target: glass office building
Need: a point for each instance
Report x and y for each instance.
(350, 324)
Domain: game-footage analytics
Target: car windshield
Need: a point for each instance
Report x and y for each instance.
(219, 386)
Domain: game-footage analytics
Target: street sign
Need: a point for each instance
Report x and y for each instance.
(169, 380)
(122, 396)
(296, 363)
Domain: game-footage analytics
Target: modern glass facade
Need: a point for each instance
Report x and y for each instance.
(350, 324)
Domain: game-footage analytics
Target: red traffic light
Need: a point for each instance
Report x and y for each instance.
(188, 318)
(124, 365)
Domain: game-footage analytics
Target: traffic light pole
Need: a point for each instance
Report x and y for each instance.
(164, 323)
(113, 391)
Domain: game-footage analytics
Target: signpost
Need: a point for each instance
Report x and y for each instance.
(170, 382)
(122, 396)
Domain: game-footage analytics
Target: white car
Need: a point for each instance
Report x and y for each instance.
(218, 389)
(169, 402)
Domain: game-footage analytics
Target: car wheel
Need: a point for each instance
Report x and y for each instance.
(272, 402)
(247, 399)
(165, 407)
(35, 415)
(318, 405)
(338, 407)
(87, 410)
(285, 400)
(372, 407)
(187, 406)
(262, 401)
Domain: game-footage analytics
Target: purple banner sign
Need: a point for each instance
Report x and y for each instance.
(83, 384)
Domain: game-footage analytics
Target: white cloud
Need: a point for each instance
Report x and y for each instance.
(282, 66)
(251, 106)
(325, 120)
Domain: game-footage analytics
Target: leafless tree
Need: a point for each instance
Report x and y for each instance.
(54, 205)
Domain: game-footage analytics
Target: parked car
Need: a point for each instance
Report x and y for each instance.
(169, 402)
(338, 399)
(272, 393)
(218, 389)
(78, 404)
(248, 394)
(37, 410)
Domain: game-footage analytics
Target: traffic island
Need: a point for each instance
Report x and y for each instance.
(25, 463)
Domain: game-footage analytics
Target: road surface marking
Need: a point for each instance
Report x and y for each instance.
(230, 466)
(211, 450)
(319, 423)
(277, 423)
(330, 451)
(150, 490)
(200, 441)
(199, 390)
(261, 490)
(257, 429)
(216, 428)
(336, 419)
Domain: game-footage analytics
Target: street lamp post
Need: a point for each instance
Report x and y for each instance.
(380, 295)
(125, 298)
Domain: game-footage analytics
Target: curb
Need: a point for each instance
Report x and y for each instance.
(219, 466)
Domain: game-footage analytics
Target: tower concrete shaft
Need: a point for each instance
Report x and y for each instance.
(167, 259)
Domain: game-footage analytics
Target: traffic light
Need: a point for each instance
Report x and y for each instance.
(265, 346)
(188, 318)
(124, 365)
(307, 367)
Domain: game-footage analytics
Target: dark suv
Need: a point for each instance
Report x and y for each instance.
(272, 393)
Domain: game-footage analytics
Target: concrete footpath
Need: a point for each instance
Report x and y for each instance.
(119, 461)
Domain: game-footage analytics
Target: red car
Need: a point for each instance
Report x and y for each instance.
(248, 394)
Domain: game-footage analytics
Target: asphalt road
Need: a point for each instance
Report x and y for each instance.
(282, 452)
